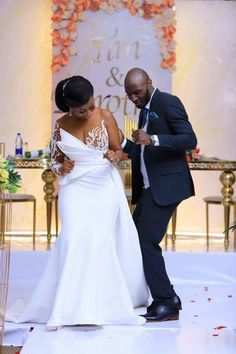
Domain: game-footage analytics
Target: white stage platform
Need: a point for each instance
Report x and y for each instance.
(206, 283)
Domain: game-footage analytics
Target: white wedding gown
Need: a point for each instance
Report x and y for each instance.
(94, 274)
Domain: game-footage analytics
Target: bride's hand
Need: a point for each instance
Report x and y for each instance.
(113, 156)
(67, 167)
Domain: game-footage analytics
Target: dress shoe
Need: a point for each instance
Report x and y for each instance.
(175, 300)
(164, 310)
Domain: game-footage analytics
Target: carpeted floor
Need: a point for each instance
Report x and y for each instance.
(9, 350)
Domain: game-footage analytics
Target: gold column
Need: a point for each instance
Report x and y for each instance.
(227, 178)
(130, 125)
(49, 178)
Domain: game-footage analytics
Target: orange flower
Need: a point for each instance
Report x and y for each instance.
(55, 34)
(55, 67)
(159, 9)
(56, 60)
(65, 52)
(67, 42)
(71, 27)
(79, 8)
(129, 6)
(152, 9)
(56, 17)
(64, 61)
(128, 3)
(167, 63)
(86, 4)
(74, 17)
(62, 7)
(132, 11)
(168, 3)
(147, 16)
(168, 32)
(94, 6)
(56, 41)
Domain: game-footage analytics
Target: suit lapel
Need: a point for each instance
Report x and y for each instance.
(140, 120)
(153, 107)
(154, 100)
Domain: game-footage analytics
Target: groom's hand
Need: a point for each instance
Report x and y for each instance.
(139, 136)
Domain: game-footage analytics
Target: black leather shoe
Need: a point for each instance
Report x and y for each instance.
(164, 310)
(175, 300)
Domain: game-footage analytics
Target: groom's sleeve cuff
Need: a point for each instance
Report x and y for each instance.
(123, 143)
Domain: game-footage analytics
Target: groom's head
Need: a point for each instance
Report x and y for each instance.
(138, 87)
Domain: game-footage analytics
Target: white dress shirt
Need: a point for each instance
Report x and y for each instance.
(154, 137)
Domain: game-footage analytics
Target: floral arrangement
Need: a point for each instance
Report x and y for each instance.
(67, 13)
(193, 154)
(9, 180)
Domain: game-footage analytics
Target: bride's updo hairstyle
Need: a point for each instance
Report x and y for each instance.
(73, 92)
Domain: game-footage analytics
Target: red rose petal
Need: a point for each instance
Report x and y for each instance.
(215, 334)
(220, 327)
(230, 296)
(192, 300)
(209, 299)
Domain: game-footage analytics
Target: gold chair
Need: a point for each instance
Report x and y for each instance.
(216, 200)
(21, 198)
(173, 224)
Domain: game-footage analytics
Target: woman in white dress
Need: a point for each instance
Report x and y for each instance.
(94, 274)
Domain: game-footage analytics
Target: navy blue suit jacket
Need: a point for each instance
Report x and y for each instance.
(166, 164)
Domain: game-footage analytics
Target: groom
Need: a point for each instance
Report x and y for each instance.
(160, 180)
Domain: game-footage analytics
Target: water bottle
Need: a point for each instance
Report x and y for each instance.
(19, 146)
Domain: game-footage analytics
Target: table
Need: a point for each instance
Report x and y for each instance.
(49, 177)
(227, 179)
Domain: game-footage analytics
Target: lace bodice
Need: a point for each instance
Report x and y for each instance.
(97, 139)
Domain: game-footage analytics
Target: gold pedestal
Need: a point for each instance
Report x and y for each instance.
(227, 178)
(49, 178)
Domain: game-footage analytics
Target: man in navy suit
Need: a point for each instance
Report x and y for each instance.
(160, 180)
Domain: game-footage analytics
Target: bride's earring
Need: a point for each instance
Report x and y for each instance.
(70, 113)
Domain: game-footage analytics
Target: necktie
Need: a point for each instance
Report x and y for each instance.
(144, 112)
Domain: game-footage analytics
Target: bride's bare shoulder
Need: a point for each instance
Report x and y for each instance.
(62, 121)
(107, 116)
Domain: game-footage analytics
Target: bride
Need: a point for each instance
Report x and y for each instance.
(94, 274)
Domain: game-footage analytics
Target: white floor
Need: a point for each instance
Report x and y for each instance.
(206, 283)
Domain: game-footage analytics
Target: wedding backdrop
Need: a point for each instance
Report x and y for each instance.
(104, 53)
(204, 80)
(188, 49)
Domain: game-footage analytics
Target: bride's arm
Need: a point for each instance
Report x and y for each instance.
(59, 163)
(115, 153)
